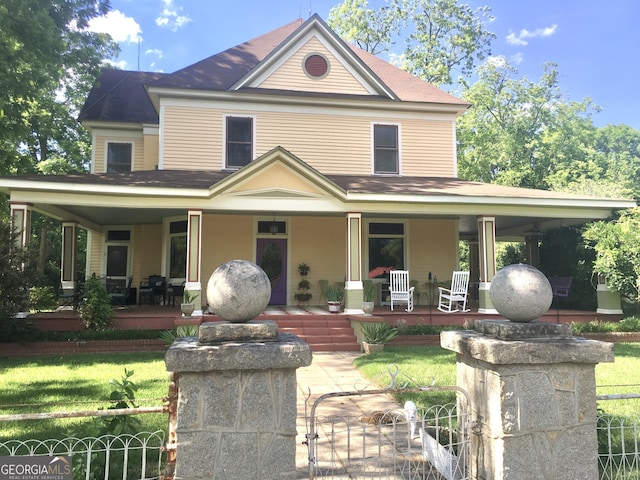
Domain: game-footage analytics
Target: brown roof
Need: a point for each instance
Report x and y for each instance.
(198, 179)
(121, 96)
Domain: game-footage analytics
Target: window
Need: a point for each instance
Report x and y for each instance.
(118, 253)
(386, 248)
(178, 249)
(239, 141)
(118, 157)
(385, 149)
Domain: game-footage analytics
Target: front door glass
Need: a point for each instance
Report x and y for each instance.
(272, 258)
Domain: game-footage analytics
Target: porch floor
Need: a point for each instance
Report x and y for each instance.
(323, 330)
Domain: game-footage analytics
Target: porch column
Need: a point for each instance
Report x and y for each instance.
(353, 287)
(487, 253)
(194, 256)
(608, 299)
(21, 223)
(532, 247)
(69, 262)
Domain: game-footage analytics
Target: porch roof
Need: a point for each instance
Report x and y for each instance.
(147, 196)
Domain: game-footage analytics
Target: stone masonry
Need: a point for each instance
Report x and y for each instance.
(532, 390)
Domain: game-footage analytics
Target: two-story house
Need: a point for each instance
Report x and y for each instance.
(294, 147)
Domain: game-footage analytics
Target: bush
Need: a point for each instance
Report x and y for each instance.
(42, 298)
(95, 306)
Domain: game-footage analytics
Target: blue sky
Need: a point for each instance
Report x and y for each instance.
(596, 44)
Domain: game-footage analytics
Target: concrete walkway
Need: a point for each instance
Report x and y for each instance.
(333, 372)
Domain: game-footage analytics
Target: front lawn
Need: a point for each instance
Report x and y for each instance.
(76, 382)
(423, 365)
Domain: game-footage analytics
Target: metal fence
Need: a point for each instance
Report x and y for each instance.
(619, 435)
(406, 443)
(143, 455)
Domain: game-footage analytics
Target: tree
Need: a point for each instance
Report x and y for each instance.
(439, 37)
(15, 277)
(617, 249)
(49, 62)
(518, 132)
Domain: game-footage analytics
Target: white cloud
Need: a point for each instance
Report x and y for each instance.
(172, 17)
(519, 39)
(517, 59)
(154, 51)
(122, 29)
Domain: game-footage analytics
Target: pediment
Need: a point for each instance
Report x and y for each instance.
(315, 59)
(278, 174)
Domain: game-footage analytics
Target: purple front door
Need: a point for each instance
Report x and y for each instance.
(271, 256)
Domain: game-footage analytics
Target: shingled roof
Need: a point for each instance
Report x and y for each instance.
(120, 96)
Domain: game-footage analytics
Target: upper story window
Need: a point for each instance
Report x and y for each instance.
(239, 141)
(386, 149)
(119, 157)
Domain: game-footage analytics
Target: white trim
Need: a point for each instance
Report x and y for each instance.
(161, 118)
(399, 146)
(609, 311)
(454, 149)
(128, 243)
(121, 142)
(254, 135)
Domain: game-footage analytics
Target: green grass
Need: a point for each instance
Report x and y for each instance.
(76, 382)
(424, 364)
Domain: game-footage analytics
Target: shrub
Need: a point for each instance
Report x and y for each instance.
(42, 298)
(378, 332)
(95, 307)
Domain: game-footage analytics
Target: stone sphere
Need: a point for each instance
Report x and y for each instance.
(238, 291)
(520, 293)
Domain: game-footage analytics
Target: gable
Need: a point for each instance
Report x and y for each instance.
(296, 72)
(276, 180)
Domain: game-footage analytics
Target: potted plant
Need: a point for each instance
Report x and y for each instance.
(335, 295)
(375, 335)
(304, 285)
(368, 294)
(188, 304)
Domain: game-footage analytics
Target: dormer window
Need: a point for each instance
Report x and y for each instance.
(119, 157)
(239, 142)
(386, 149)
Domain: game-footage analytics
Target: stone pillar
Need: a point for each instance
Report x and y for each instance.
(237, 401)
(532, 390)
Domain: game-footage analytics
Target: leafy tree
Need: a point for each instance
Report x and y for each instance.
(439, 37)
(617, 249)
(15, 277)
(518, 132)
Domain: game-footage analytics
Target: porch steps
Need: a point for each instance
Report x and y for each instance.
(324, 333)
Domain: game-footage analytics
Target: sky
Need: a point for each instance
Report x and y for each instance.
(595, 43)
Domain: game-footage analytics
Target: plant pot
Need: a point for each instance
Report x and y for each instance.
(187, 308)
(334, 307)
(372, 347)
(367, 308)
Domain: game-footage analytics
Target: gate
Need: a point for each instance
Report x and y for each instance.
(390, 443)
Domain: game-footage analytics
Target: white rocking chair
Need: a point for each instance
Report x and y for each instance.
(400, 290)
(451, 297)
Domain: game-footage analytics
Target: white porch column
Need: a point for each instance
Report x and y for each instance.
(608, 299)
(21, 223)
(194, 256)
(353, 288)
(69, 262)
(487, 254)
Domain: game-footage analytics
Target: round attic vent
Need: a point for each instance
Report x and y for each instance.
(316, 65)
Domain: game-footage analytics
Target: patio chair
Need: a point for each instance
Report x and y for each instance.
(152, 289)
(399, 289)
(449, 299)
(175, 290)
(118, 290)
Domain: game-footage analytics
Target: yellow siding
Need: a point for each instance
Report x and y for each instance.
(192, 138)
(225, 238)
(331, 143)
(277, 176)
(321, 243)
(147, 251)
(151, 153)
(433, 247)
(291, 75)
(100, 149)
